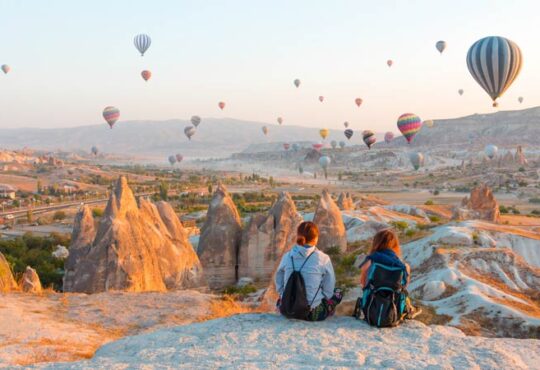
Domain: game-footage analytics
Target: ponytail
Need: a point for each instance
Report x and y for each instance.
(307, 233)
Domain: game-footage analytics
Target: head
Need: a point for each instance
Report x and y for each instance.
(307, 234)
(386, 239)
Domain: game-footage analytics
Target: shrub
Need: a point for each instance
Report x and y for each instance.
(436, 192)
(97, 212)
(410, 232)
(59, 215)
(429, 202)
(503, 209)
(534, 200)
(400, 225)
(434, 218)
(240, 291)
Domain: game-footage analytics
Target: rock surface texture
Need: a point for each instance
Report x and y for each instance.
(220, 239)
(135, 248)
(328, 218)
(481, 205)
(345, 202)
(7, 282)
(266, 238)
(30, 282)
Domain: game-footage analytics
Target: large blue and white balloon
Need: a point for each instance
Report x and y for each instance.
(142, 43)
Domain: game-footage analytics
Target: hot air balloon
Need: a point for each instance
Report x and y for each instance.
(189, 131)
(94, 150)
(520, 99)
(280, 120)
(409, 124)
(429, 123)
(296, 147)
(146, 75)
(460, 91)
(494, 62)
(195, 121)
(172, 160)
(358, 102)
(346, 124)
(324, 133)
(286, 146)
(321, 98)
(369, 138)
(221, 105)
(388, 137)
(142, 43)
(342, 144)
(6, 68)
(389, 62)
(297, 82)
(491, 151)
(179, 157)
(440, 45)
(417, 160)
(333, 143)
(111, 115)
(324, 161)
(265, 130)
(348, 133)
(317, 146)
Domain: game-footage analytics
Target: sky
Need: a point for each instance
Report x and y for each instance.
(70, 59)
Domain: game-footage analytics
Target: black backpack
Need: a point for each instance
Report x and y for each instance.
(294, 303)
(383, 302)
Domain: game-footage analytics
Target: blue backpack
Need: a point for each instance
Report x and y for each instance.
(383, 303)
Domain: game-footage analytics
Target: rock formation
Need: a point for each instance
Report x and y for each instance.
(220, 240)
(328, 219)
(481, 205)
(520, 156)
(135, 248)
(7, 282)
(266, 238)
(345, 202)
(30, 282)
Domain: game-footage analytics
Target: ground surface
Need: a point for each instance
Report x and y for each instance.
(269, 341)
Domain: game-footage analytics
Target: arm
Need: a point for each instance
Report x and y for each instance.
(329, 280)
(364, 273)
(280, 275)
(408, 268)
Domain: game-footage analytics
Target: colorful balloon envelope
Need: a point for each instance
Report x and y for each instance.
(195, 121)
(324, 133)
(389, 62)
(6, 68)
(388, 137)
(348, 133)
(440, 45)
(318, 146)
(297, 82)
(369, 138)
(142, 43)
(417, 160)
(409, 124)
(111, 115)
(189, 131)
(494, 62)
(324, 161)
(221, 105)
(146, 75)
(358, 102)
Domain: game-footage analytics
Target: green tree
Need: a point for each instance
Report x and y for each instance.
(164, 190)
(210, 188)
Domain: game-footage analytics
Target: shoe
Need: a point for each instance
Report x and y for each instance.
(338, 296)
(413, 312)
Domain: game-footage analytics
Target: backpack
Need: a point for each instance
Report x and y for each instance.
(383, 302)
(294, 303)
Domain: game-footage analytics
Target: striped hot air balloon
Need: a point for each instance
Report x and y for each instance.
(348, 133)
(409, 124)
(195, 121)
(142, 43)
(111, 115)
(369, 138)
(494, 62)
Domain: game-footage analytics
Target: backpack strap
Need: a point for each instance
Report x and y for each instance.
(301, 267)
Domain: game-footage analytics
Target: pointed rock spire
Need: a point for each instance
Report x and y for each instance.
(331, 228)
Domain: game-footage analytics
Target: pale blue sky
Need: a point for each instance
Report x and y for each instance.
(70, 59)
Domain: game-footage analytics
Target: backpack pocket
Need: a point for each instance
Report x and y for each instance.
(382, 309)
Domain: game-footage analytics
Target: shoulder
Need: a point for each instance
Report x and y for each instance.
(323, 257)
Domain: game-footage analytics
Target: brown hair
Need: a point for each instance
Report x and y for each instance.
(386, 239)
(307, 232)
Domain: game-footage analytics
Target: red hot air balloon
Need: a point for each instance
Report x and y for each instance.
(111, 115)
(318, 146)
(221, 105)
(358, 102)
(146, 75)
(389, 62)
(321, 98)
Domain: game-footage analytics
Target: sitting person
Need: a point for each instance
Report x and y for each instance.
(384, 278)
(305, 279)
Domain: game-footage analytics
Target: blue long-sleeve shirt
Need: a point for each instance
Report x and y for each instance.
(317, 272)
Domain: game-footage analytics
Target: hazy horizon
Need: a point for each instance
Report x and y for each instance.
(70, 60)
